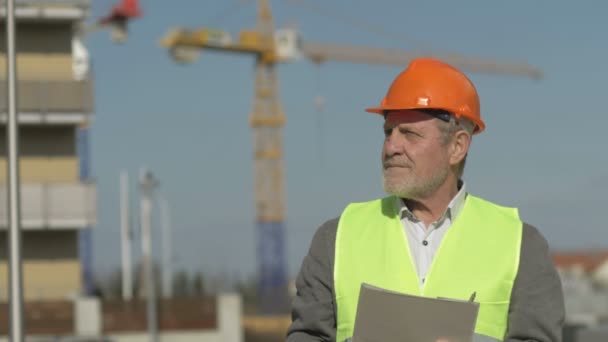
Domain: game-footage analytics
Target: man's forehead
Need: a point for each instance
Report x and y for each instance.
(397, 117)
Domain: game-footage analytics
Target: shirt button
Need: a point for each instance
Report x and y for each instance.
(425, 242)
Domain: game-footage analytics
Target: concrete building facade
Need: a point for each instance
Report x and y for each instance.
(55, 102)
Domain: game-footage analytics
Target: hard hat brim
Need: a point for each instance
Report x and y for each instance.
(375, 110)
(381, 110)
(480, 126)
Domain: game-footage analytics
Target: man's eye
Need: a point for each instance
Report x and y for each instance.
(387, 132)
(408, 132)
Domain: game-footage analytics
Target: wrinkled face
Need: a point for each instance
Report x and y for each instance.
(415, 159)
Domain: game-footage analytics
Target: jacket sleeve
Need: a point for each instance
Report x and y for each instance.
(536, 312)
(313, 314)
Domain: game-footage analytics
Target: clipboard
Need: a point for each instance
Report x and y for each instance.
(388, 316)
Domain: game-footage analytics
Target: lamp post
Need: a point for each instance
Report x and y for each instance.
(167, 250)
(125, 231)
(147, 184)
(14, 207)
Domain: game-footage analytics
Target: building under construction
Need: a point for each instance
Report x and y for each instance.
(55, 103)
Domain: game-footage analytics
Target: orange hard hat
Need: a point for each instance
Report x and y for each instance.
(428, 83)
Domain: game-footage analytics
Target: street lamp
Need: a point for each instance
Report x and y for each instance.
(147, 184)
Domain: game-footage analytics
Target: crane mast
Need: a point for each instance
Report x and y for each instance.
(267, 120)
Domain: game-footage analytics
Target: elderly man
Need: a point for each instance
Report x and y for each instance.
(430, 237)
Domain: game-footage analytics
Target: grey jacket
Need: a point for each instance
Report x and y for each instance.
(536, 311)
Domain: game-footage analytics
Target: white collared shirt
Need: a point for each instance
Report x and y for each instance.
(424, 242)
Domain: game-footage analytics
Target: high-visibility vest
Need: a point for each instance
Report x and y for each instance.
(479, 253)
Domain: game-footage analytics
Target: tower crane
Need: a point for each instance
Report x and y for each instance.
(270, 47)
(117, 21)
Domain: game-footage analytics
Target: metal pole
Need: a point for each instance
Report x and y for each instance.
(85, 237)
(14, 210)
(147, 185)
(166, 246)
(127, 283)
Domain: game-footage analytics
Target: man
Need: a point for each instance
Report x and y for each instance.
(430, 237)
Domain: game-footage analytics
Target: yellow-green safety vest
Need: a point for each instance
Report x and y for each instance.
(479, 253)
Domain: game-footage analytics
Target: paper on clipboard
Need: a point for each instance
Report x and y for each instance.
(387, 316)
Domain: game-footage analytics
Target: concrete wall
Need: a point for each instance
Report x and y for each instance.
(48, 154)
(177, 336)
(51, 268)
(597, 334)
(41, 37)
(87, 325)
(44, 51)
(41, 66)
(230, 312)
(44, 170)
(230, 329)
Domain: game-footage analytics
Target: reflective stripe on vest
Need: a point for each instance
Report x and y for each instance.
(476, 338)
(479, 253)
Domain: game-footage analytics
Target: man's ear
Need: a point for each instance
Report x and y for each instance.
(459, 146)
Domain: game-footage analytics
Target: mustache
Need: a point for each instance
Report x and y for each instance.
(395, 162)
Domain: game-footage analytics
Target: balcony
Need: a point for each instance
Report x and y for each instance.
(63, 102)
(53, 206)
(50, 10)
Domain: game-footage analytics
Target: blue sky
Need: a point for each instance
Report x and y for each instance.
(543, 150)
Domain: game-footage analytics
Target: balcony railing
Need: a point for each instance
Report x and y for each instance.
(53, 206)
(79, 3)
(51, 97)
(48, 9)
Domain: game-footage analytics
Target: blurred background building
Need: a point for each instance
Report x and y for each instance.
(584, 276)
(55, 103)
(58, 194)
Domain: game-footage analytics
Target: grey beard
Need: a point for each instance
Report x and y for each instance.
(413, 190)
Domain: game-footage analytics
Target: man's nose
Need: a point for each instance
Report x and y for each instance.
(392, 143)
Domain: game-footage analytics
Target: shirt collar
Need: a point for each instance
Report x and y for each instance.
(451, 212)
